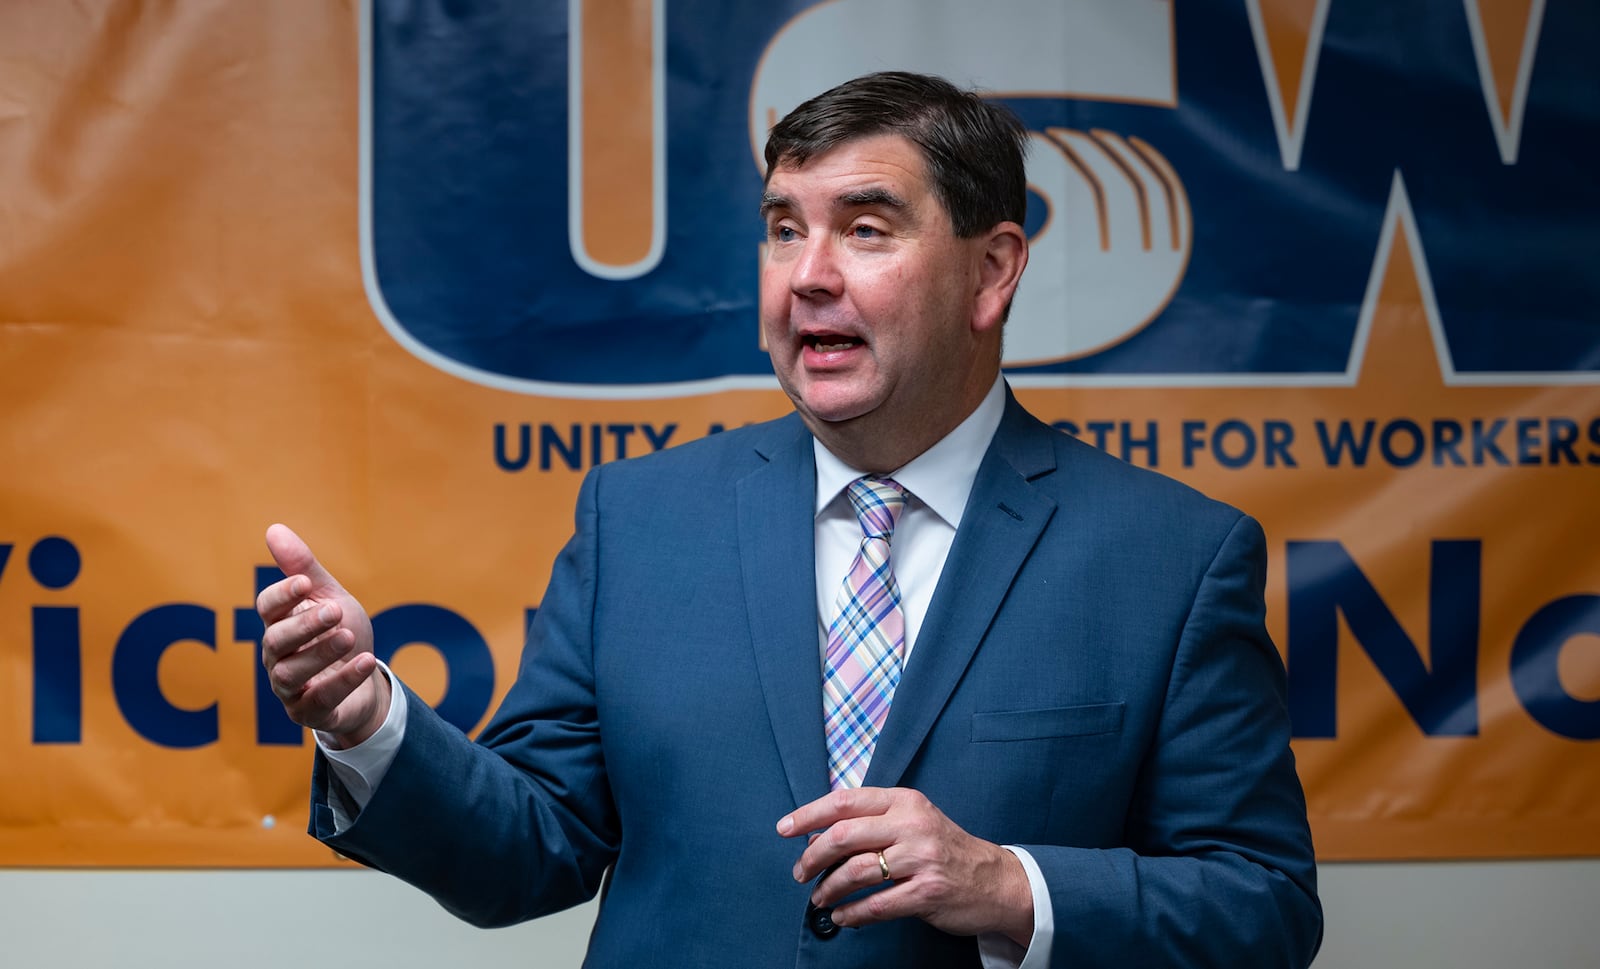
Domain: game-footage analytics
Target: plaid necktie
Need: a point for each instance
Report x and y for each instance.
(866, 640)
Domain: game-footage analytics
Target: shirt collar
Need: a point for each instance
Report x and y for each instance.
(940, 477)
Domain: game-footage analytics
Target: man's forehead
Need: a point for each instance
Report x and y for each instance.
(875, 170)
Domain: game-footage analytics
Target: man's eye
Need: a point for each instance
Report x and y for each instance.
(864, 232)
(783, 233)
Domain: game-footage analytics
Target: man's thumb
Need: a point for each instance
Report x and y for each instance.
(294, 556)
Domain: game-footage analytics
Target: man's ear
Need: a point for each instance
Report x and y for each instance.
(1005, 255)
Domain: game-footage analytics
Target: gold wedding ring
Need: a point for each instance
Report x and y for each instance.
(883, 866)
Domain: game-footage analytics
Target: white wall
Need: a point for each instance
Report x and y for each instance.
(1380, 916)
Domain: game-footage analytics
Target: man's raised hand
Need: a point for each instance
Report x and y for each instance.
(317, 647)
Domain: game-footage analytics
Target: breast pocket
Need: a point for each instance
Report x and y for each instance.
(1077, 721)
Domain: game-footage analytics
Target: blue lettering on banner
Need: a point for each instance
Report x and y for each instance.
(470, 683)
(1232, 444)
(58, 674)
(57, 651)
(1323, 583)
(575, 446)
(1442, 695)
(1134, 443)
(273, 726)
(135, 684)
(1535, 675)
(481, 97)
(1445, 442)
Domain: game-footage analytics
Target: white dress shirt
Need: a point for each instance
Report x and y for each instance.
(939, 481)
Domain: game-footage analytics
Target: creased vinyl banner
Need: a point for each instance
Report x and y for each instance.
(399, 273)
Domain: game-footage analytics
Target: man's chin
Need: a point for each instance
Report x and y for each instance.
(834, 413)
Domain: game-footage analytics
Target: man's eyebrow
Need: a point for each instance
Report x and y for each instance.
(860, 198)
(873, 197)
(770, 201)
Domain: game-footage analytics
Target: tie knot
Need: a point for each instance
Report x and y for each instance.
(877, 502)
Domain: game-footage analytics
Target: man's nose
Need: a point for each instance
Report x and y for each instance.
(817, 271)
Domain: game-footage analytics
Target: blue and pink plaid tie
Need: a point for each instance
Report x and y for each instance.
(866, 640)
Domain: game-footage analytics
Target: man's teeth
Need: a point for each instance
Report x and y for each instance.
(841, 344)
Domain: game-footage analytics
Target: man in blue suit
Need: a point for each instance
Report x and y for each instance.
(906, 678)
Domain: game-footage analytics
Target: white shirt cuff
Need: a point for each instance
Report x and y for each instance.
(999, 952)
(360, 769)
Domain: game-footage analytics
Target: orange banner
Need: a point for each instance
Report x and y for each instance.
(199, 337)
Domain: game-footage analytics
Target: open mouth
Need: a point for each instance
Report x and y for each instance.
(831, 342)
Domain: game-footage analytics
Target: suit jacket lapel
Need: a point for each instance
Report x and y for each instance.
(776, 508)
(1004, 517)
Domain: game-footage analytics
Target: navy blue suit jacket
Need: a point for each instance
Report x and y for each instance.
(1092, 682)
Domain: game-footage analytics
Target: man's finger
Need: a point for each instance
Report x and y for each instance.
(287, 636)
(293, 556)
(277, 599)
(894, 902)
(851, 836)
(330, 687)
(834, 807)
(856, 872)
(291, 675)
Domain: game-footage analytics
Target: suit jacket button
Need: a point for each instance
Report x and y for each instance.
(820, 922)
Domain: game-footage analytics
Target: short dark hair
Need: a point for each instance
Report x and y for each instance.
(973, 149)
